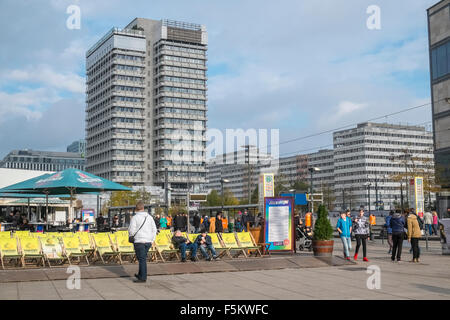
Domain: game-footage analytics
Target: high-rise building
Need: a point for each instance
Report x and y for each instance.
(42, 160)
(78, 146)
(439, 51)
(369, 157)
(146, 104)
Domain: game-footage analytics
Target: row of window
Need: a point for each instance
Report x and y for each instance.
(127, 57)
(127, 78)
(181, 49)
(183, 111)
(183, 142)
(181, 100)
(182, 121)
(182, 80)
(183, 70)
(182, 59)
(383, 134)
(128, 88)
(126, 141)
(129, 68)
(180, 132)
(181, 90)
(126, 109)
(128, 99)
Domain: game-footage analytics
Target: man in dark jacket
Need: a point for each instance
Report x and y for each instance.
(204, 242)
(100, 222)
(245, 219)
(397, 224)
(219, 225)
(196, 222)
(184, 244)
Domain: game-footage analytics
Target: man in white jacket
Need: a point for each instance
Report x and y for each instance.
(143, 228)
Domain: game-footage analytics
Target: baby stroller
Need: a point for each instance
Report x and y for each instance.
(304, 238)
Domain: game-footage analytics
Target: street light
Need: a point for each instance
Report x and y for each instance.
(222, 181)
(311, 170)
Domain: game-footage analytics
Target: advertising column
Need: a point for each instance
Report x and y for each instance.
(416, 195)
(279, 227)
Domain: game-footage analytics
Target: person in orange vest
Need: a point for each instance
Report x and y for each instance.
(169, 221)
(308, 220)
(225, 223)
(212, 225)
(372, 222)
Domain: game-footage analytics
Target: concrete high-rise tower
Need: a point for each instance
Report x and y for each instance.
(146, 104)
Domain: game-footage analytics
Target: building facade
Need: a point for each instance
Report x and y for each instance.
(146, 105)
(373, 159)
(439, 52)
(78, 146)
(42, 160)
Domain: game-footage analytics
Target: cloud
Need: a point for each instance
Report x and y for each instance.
(45, 76)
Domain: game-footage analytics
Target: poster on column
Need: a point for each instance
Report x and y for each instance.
(279, 225)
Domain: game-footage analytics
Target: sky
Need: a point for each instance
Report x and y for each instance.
(299, 66)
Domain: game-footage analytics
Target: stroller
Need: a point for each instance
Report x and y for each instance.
(304, 238)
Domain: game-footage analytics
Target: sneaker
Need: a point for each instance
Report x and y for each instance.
(216, 258)
(355, 256)
(193, 259)
(365, 259)
(390, 251)
(348, 258)
(208, 259)
(139, 281)
(183, 260)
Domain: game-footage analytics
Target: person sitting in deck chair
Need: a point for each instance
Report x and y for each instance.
(204, 242)
(182, 244)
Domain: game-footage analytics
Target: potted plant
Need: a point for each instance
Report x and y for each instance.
(323, 234)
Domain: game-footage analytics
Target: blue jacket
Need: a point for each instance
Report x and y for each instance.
(344, 226)
(397, 223)
(387, 222)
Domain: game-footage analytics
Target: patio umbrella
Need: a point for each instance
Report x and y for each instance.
(73, 181)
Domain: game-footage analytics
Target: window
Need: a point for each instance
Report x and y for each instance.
(440, 61)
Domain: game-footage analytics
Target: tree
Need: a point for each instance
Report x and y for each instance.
(328, 196)
(213, 199)
(229, 198)
(322, 229)
(177, 209)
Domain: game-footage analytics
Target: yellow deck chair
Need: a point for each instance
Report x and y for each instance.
(73, 250)
(22, 234)
(221, 250)
(123, 247)
(52, 250)
(122, 233)
(5, 234)
(192, 237)
(167, 233)
(229, 241)
(68, 234)
(86, 243)
(53, 234)
(246, 241)
(164, 247)
(31, 250)
(103, 248)
(9, 251)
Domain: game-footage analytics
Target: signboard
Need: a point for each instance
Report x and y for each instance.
(88, 214)
(266, 188)
(279, 223)
(444, 230)
(416, 195)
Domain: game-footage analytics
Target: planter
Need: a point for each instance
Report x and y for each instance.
(323, 248)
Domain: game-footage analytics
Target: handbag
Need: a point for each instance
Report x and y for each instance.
(131, 238)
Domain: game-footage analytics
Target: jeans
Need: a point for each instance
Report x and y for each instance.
(389, 240)
(397, 243)
(191, 246)
(435, 229)
(347, 243)
(415, 247)
(205, 254)
(141, 250)
(429, 229)
(361, 238)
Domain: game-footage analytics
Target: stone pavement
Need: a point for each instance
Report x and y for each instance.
(283, 277)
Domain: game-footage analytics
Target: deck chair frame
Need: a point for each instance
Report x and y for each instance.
(233, 246)
(249, 246)
(74, 252)
(106, 256)
(221, 250)
(38, 257)
(59, 260)
(166, 250)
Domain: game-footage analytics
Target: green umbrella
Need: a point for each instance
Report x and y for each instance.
(73, 181)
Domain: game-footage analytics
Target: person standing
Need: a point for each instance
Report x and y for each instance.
(428, 220)
(397, 225)
(435, 222)
(361, 229)
(196, 222)
(344, 227)
(245, 219)
(414, 233)
(387, 220)
(163, 222)
(218, 223)
(238, 224)
(157, 221)
(372, 223)
(143, 229)
(100, 222)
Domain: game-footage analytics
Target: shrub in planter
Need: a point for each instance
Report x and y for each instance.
(323, 234)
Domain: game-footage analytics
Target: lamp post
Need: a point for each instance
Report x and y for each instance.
(311, 170)
(368, 184)
(222, 181)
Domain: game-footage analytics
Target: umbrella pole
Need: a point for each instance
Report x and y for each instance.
(46, 205)
(29, 213)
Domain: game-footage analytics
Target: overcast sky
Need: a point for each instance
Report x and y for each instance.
(300, 66)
